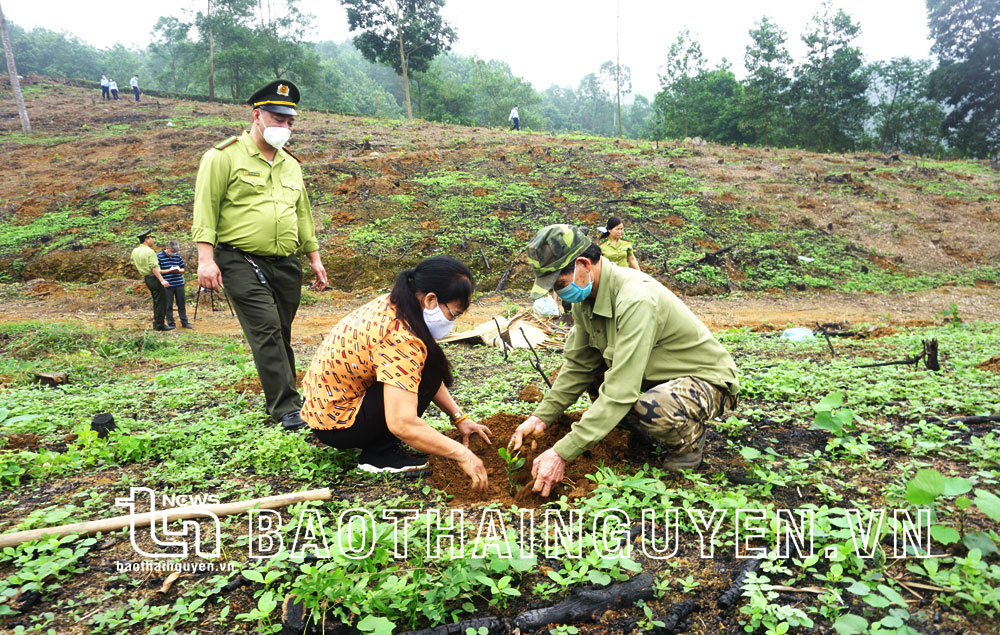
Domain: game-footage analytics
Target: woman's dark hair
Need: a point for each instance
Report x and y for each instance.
(613, 222)
(591, 253)
(444, 276)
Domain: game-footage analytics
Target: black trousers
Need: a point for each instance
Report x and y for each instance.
(156, 290)
(370, 430)
(266, 311)
(175, 294)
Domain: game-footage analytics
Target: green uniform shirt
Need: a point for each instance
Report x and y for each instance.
(641, 331)
(619, 253)
(144, 259)
(241, 200)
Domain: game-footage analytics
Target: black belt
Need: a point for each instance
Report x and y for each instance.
(227, 247)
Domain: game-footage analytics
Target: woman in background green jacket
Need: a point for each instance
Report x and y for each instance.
(613, 247)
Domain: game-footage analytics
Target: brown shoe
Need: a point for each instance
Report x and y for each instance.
(688, 461)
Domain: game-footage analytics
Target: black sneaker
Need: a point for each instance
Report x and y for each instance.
(292, 420)
(392, 461)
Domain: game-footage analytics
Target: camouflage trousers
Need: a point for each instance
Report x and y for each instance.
(675, 412)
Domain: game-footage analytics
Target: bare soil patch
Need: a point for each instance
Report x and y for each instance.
(448, 477)
(992, 364)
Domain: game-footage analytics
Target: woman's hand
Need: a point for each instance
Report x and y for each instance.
(473, 466)
(531, 425)
(468, 427)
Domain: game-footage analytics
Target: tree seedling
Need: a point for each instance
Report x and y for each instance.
(512, 464)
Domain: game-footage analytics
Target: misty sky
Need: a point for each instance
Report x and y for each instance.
(546, 41)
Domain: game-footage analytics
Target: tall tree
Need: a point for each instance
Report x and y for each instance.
(830, 106)
(496, 89)
(618, 64)
(618, 79)
(967, 43)
(403, 34)
(12, 70)
(764, 98)
(639, 118)
(211, 51)
(684, 62)
(905, 118)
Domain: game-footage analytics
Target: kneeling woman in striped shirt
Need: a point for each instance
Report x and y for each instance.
(380, 367)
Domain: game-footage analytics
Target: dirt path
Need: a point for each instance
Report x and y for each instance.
(111, 307)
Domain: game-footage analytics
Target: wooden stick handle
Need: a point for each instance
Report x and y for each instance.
(174, 513)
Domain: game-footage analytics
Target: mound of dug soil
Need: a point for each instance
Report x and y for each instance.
(448, 476)
(992, 364)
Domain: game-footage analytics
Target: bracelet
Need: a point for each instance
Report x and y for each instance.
(455, 417)
(455, 422)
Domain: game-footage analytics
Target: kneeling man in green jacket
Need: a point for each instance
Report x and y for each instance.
(657, 366)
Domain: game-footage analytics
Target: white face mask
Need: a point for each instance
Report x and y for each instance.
(437, 323)
(276, 136)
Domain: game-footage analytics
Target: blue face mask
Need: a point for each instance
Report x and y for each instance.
(574, 292)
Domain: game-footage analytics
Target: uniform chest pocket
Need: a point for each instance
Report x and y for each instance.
(290, 193)
(250, 182)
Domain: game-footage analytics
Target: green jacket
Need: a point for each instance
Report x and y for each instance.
(144, 259)
(619, 253)
(242, 200)
(642, 332)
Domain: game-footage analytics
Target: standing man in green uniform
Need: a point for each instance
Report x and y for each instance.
(144, 259)
(657, 366)
(251, 217)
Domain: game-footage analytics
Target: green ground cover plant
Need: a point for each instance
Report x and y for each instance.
(846, 438)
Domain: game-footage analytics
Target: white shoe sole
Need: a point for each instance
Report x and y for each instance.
(366, 467)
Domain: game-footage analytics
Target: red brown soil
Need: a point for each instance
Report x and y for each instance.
(24, 441)
(879, 331)
(992, 364)
(530, 394)
(449, 477)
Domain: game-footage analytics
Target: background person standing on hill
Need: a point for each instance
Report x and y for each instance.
(514, 117)
(113, 87)
(251, 217)
(105, 92)
(134, 83)
(144, 259)
(172, 268)
(613, 247)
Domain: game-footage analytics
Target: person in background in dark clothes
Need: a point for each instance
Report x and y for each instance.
(172, 268)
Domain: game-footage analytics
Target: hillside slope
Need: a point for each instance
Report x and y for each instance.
(386, 193)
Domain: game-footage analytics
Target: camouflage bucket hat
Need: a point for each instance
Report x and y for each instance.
(551, 250)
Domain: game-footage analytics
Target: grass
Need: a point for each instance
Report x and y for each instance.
(188, 429)
(95, 220)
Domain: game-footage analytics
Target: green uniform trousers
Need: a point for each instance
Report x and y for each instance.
(265, 312)
(159, 300)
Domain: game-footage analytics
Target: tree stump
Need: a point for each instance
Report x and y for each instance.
(51, 380)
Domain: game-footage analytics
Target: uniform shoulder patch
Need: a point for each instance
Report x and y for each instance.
(292, 155)
(225, 144)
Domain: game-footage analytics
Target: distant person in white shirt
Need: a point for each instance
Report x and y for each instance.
(135, 86)
(513, 117)
(113, 87)
(105, 92)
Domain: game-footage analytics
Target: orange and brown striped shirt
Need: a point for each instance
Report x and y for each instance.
(369, 345)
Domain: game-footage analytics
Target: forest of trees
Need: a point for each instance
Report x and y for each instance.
(832, 100)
